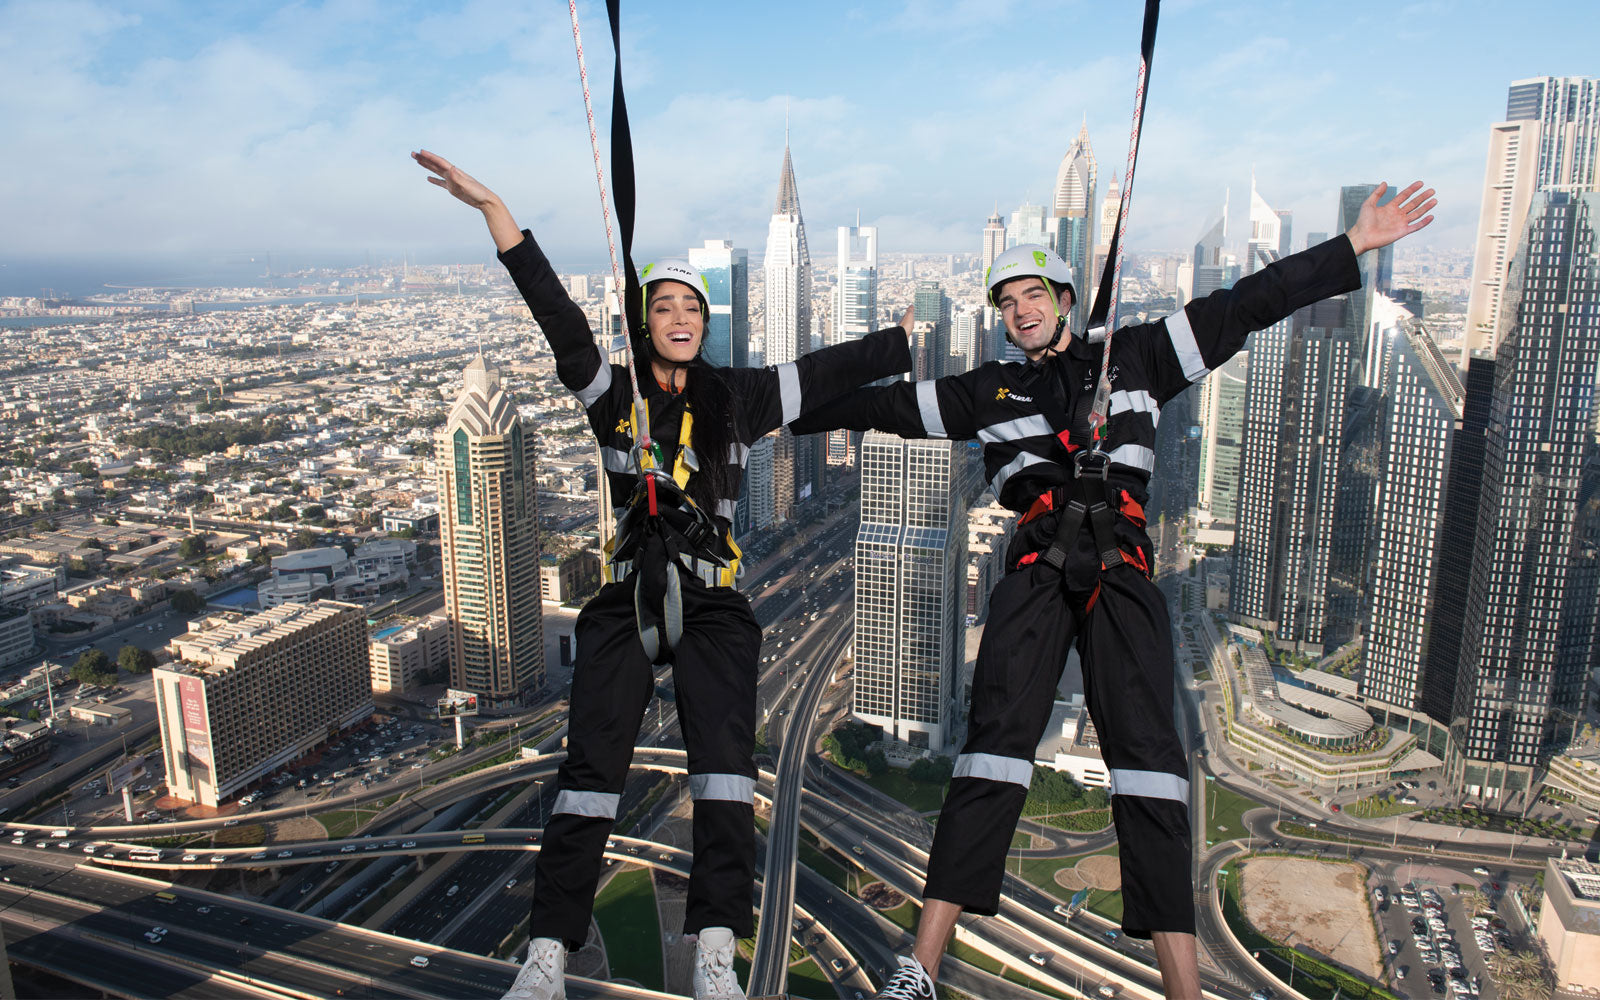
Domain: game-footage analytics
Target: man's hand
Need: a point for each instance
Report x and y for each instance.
(907, 323)
(1380, 226)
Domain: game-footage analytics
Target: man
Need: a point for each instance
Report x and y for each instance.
(1078, 570)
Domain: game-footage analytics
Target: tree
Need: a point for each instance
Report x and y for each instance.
(303, 539)
(94, 661)
(282, 512)
(877, 763)
(33, 715)
(85, 469)
(187, 602)
(313, 512)
(110, 522)
(931, 770)
(192, 547)
(136, 659)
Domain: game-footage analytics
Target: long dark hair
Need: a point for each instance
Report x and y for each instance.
(710, 398)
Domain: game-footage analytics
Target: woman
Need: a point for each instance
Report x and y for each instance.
(670, 596)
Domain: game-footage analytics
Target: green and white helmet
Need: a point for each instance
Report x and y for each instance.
(674, 269)
(1028, 260)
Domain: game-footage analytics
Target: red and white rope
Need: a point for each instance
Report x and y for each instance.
(611, 242)
(1102, 392)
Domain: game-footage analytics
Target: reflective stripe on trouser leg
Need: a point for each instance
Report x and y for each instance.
(1020, 659)
(714, 678)
(610, 685)
(1128, 685)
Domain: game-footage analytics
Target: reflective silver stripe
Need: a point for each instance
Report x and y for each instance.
(598, 385)
(738, 454)
(616, 459)
(1136, 455)
(1136, 401)
(789, 391)
(723, 787)
(726, 509)
(1011, 468)
(995, 768)
(601, 805)
(1150, 784)
(928, 404)
(1032, 425)
(1183, 344)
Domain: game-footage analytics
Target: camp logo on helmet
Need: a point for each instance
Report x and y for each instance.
(1039, 259)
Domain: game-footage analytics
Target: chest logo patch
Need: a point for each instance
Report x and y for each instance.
(1006, 394)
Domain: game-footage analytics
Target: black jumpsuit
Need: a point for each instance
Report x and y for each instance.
(714, 663)
(1115, 617)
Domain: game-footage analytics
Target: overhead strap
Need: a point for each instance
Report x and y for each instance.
(622, 169)
(1103, 315)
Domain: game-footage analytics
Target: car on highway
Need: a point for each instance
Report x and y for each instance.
(511, 883)
(191, 857)
(285, 854)
(218, 858)
(1039, 957)
(409, 843)
(420, 961)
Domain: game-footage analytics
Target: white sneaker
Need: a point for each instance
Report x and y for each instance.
(910, 982)
(714, 978)
(542, 976)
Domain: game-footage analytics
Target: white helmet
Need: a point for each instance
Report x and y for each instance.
(674, 269)
(1028, 260)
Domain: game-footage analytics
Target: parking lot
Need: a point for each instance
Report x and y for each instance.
(1433, 945)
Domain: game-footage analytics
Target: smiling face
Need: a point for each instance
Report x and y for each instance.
(675, 321)
(1030, 313)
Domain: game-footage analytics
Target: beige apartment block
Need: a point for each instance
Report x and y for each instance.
(1569, 924)
(242, 699)
(400, 653)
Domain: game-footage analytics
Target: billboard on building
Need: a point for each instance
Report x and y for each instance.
(196, 724)
(456, 703)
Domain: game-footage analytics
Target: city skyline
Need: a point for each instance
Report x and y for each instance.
(286, 129)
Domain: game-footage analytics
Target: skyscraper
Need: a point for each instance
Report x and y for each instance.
(1514, 689)
(1285, 230)
(1262, 248)
(966, 339)
(1422, 400)
(1377, 271)
(855, 302)
(1222, 406)
(933, 331)
(994, 244)
(489, 531)
(911, 566)
(726, 269)
(1551, 137)
(797, 462)
(1210, 267)
(1293, 435)
(1027, 225)
(1073, 207)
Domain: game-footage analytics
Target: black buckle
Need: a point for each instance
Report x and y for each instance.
(1091, 463)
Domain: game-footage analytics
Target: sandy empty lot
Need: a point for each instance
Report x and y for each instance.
(1319, 905)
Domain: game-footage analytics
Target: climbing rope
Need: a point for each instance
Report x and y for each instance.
(1104, 314)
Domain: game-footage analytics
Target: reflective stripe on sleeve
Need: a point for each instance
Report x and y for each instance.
(616, 460)
(789, 391)
(994, 767)
(1016, 465)
(726, 509)
(928, 406)
(600, 805)
(1150, 784)
(1183, 344)
(1135, 401)
(598, 385)
(1134, 455)
(738, 454)
(1032, 425)
(722, 787)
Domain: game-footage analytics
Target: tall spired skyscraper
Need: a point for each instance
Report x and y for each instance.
(797, 462)
(1072, 209)
(1264, 222)
(1551, 137)
(1210, 263)
(489, 530)
(1520, 681)
(1110, 209)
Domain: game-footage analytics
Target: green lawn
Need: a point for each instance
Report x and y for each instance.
(1225, 810)
(895, 784)
(812, 856)
(626, 913)
(1042, 873)
(808, 981)
(344, 822)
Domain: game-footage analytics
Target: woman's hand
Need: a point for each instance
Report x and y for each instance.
(469, 190)
(458, 182)
(907, 323)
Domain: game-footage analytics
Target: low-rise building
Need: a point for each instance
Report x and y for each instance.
(564, 577)
(246, 697)
(1569, 924)
(16, 636)
(402, 653)
(1071, 745)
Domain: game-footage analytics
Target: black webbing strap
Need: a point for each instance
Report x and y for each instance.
(622, 182)
(1090, 494)
(1147, 48)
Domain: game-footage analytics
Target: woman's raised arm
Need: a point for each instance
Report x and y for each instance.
(471, 191)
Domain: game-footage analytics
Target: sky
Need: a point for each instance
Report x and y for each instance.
(164, 127)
